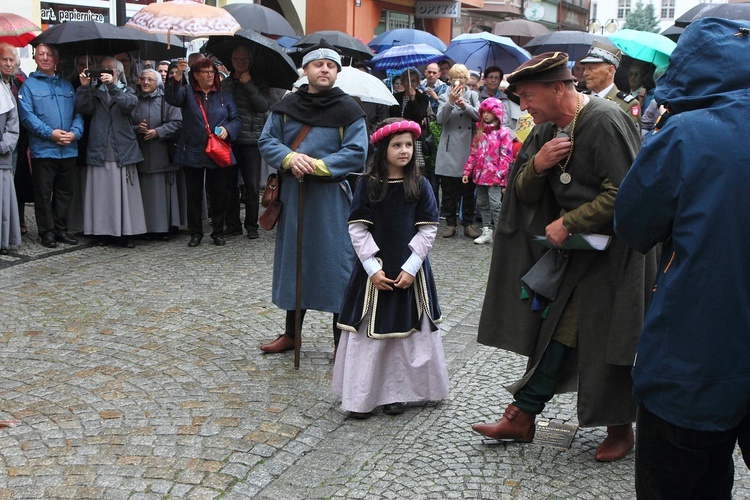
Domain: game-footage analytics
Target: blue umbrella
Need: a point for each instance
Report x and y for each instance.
(402, 56)
(405, 36)
(478, 51)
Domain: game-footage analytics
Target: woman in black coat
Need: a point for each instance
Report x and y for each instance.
(224, 120)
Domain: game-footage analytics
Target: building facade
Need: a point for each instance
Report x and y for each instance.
(610, 14)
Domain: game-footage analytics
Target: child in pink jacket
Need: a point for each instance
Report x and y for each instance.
(489, 163)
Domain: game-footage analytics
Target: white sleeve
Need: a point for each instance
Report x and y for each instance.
(420, 246)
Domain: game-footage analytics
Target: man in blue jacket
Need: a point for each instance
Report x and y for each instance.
(688, 189)
(47, 108)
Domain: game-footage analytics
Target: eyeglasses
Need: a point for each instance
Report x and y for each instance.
(206, 72)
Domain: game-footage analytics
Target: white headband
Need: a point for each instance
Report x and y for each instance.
(316, 54)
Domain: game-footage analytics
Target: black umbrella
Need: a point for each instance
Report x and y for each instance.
(347, 44)
(259, 18)
(725, 10)
(269, 59)
(673, 32)
(76, 37)
(574, 43)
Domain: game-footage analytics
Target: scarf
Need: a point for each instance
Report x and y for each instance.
(330, 108)
(7, 102)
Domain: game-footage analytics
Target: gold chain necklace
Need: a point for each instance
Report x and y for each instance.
(565, 177)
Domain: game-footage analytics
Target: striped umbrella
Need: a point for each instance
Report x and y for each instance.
(402, 56)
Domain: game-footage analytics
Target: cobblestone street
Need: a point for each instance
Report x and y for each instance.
(136, 374)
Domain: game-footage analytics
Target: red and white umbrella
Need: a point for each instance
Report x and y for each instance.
(185, 18)
(16, 30)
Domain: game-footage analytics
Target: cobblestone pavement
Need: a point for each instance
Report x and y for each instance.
(136, 374)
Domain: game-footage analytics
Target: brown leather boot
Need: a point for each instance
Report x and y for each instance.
(617, 444)
(281, 344)
(516, 424)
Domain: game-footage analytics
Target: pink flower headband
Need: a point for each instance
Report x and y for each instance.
(396, 128)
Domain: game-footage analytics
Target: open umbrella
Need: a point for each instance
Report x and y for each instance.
(16, 30)
(673, 32)
(360, 84)
(574, 43)
(347, 44)
(184, 18)
(403, 56)
(725, 10)
(644, 46)
(257, 17)
(269, 58)
(520, 30)
(404, 36)
(288, 41)
(478, 51)
(76, 37)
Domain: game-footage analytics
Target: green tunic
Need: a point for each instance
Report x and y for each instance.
(611, 286)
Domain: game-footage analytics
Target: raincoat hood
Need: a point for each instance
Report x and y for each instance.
(705, 67)
(494, 106)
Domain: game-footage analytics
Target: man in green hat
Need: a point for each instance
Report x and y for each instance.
(564, 183)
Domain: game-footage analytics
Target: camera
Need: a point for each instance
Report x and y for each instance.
(97, 73)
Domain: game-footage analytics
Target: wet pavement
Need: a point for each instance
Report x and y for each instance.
(137, 374)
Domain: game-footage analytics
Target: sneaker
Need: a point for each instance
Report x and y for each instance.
(486, 236)
(449, 232)
(471, 232)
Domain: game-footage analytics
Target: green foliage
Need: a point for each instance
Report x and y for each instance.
(642, 18)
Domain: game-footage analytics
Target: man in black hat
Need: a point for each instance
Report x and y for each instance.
(581, 338)
(599, 68)
(315, 137)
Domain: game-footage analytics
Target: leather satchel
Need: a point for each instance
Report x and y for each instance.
(270, 215)
(272, 191)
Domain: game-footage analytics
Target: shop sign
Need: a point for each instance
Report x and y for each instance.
(53, 13)
(435, 9)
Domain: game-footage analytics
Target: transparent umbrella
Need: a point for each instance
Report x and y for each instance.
(360, 84)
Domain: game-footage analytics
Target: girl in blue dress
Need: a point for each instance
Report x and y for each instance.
(390, 351)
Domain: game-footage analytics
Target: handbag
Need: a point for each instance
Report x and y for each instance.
(272, 191)
(270, 215)
(217, 149)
